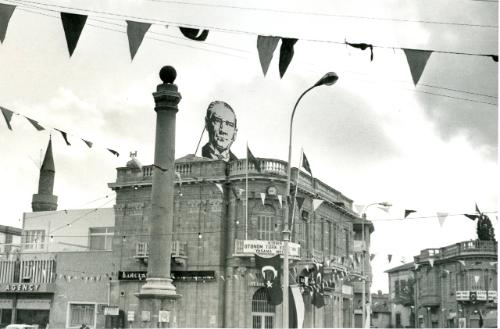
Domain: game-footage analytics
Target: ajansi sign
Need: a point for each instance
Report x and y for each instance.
(269, 248)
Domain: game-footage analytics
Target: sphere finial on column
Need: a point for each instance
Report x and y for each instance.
(168, 74)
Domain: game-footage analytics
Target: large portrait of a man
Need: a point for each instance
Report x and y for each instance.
(220, 122)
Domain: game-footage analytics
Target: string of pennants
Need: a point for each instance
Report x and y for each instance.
(8, 115)
(73, 25)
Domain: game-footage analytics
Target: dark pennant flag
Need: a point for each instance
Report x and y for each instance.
(253, 160)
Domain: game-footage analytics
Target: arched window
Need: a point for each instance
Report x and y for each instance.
(267, 226)
(263, 313)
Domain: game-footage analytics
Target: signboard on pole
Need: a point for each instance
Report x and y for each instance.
(492, 295)
(111, 310)
(462, 294)
(481, 295)
(269, 248)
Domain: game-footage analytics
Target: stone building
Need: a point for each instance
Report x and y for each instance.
(401, 295)
(213, 244)
(454, 286)
(381, 313)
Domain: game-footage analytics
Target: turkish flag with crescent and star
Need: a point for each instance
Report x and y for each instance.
(270, 269)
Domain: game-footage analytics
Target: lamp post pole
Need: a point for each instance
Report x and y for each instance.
(363, 296)
(328, 79)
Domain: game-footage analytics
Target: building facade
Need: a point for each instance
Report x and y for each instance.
(381, 313)
(453, 287)
(214, 243)
(402, 296)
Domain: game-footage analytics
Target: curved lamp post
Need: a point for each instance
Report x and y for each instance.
(328, 79)
(363, 296)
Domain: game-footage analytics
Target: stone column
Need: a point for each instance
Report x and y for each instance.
(158, 293)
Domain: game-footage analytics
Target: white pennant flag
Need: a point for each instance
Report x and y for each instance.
(476, 278)
(431, 262)
(416, 266)
(462, 262)
(241, 190)
(280, 199)
(219, 186)
(441, 217)
(359, 208)
(386, 209)
(263, 198)
(317, 203)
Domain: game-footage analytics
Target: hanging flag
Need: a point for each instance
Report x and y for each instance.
(219, 186)
(318, 299)
(266, 45)
(372, 256)
(135, 34)
(270, 269)
(300, 201)
(389, 257)
(416, 60)
(64, 135)
(362, 46)
(441, 217)
(317, 203)
(462, 262)
(194, 34)
(280, 199)
(408, 212)
(114, 152)
(476, 278)
(263, 198)
(7, 114)
(73, 25)
(6, 12)
(89, 144)
(253, 160)
(299, 309)
(35, 124)
(431, 262)
(473, 217)
(286, 54)
(305, 163)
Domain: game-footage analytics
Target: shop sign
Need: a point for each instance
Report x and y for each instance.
(130, 316)
(462, 294)
(5, 303)
(111, 310)
(346, 290)
(269, 248)
(21, 287)
(492, 295)
(33, 304)
(481, 295)
(132, 275)
(193, 275)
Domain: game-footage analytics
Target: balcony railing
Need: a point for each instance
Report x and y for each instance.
(179, 249)
(268, 166)
(28, 270)
(473, 247)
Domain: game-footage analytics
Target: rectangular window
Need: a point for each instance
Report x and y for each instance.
(101, 238)
(396, 288)
(334, 239)
(346, 232)
(80, 314)
(265, 227)
(301, 233)
(326, 238)
(34, 239)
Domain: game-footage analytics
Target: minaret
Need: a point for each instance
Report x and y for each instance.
(44, 200)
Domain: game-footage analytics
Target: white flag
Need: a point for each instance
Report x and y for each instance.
(317, 203)
(263, 198)
(359, 208)
(476, 278)
(280, 199)
(441, 217)
(219, 186)
(431, 262)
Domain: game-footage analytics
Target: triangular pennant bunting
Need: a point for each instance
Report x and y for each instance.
(219, 186)
(476, 278)
(408, 212)
(477, 209)
(300, 201)
(73, 25)
(135, 34)
(35, 124)
(431, 262)
(6, 12)
(384, 208)
(442, 217)
(389, 257)
(114, 152)
(266, 46)
(462, 262)
(7, 114)
(89, 144)
(64, 135)
(263, 198)
(286, 54)
(473, 217)
(317, 203)
(194, 34)
(305, 163)
(280, 199)
(372, 256)
(416, 60)
(416, 266)
(362, 46)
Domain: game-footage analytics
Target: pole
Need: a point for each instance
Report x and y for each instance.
(246, 196)
(363, 297)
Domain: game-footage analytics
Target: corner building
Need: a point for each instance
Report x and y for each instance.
(213, 245)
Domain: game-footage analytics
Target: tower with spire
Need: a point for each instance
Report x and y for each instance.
(45, 200)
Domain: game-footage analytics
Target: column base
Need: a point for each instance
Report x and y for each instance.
(158, 288)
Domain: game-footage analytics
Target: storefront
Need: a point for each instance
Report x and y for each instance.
(25, 303)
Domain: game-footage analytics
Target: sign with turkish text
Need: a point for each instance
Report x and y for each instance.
(346, 290)
(111, 310)
(193, 275)
(462, 294)
(132, 275)
(492, 295)
(270, 248)
(481, 295)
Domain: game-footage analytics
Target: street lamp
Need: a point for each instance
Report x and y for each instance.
(328, 79)
(363, 297)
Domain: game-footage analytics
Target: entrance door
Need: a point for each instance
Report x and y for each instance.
(263, 313)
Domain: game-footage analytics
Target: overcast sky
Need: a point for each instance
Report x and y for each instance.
(373, 135)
